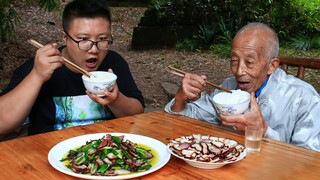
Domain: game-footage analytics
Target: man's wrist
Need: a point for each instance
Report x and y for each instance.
(178, 105)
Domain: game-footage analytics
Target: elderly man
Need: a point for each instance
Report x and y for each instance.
(287, 108)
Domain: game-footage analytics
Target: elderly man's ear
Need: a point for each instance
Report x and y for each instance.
(273, 65)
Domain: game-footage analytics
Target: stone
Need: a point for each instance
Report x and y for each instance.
(170, 89)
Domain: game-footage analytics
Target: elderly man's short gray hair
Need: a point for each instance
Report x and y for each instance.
(271, 48)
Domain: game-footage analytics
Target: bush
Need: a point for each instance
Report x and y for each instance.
(217, 21)
(207, 13)
(296, 18)
(8, 17)
(188, 44)
(222, 50)
(307, 20)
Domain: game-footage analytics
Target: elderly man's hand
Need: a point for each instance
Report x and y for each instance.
(252, 118)
(191, 87)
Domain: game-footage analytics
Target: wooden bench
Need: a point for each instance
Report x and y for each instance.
(300, 63)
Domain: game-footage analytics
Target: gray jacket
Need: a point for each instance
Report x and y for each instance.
(290, 106)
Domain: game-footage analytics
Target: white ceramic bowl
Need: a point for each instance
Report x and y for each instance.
(233, 103)
(99, 81)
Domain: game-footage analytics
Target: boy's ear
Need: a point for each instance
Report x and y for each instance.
(64, 36)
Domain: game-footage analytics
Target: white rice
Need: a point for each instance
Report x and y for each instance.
(236, 97)
(99, 78)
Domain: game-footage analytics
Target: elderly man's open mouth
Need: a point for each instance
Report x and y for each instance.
(243, 84)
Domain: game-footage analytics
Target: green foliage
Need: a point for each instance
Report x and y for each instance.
(305, 43)
(287, 50)
(222, 50)
(128, 3)
(49, 5)
(309, 11)
(188, 44)
(296, 18)
(307, 24)
(9, 17)
(301, 44)
(226, 36)
(218, 21)
(208, 12)
(206, 34)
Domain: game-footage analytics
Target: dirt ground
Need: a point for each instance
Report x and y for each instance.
(147, 66)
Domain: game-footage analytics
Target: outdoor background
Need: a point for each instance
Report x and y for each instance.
(147, 65)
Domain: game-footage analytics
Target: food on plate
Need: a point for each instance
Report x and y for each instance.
(108, 156)
(206, 148)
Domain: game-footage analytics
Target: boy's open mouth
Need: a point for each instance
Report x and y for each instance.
(91, 63)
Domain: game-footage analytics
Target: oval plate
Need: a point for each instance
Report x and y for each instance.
(207, 165)
(59, 150)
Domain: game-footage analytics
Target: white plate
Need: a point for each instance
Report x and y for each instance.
(59, 150)
(208, 165)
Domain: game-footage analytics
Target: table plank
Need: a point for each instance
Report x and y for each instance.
(26, 157)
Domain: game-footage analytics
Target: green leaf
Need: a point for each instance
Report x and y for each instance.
(116, 140)
(142, 152)
(86, 148)
(116, 168)
(126, 153)
(64, 159)
(144, 168)
(103, 168)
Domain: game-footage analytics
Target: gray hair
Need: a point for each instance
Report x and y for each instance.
(271, 48)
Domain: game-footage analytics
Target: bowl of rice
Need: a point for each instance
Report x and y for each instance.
(99, 81)
(233, 103)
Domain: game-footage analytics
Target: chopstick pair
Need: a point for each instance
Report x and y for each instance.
(180, 73)
(76, 67)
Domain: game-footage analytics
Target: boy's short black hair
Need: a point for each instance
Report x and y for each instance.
(85, 9)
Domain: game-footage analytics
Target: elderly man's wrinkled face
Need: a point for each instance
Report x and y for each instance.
(248, 63)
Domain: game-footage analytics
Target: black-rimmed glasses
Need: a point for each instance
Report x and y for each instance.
(87, 44)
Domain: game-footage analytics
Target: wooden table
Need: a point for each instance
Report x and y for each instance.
(26, 158)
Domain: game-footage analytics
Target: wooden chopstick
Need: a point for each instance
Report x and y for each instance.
(76, 67)
(180, 73)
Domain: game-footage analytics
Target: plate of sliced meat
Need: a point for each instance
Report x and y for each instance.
(206, 151)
